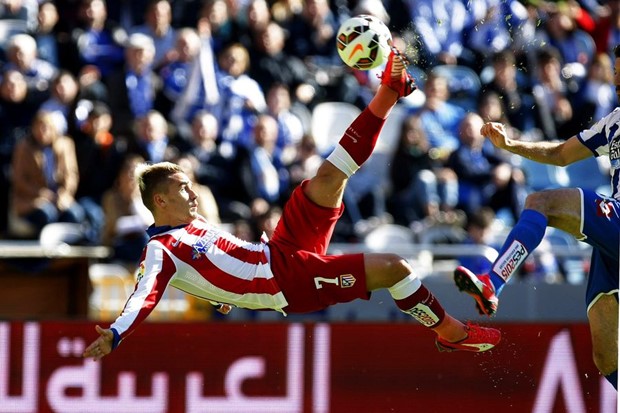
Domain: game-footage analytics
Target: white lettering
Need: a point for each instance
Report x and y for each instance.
(560, 374)
(248, 368)
(609, 397)
(322, 366)
(88, 378)
(27, 402)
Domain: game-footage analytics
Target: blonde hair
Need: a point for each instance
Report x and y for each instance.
(151, 179)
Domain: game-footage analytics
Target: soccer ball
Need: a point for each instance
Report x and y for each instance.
(363, 42)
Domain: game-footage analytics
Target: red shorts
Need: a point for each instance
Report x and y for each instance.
(310, 279)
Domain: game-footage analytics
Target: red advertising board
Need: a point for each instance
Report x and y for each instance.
(305, 368)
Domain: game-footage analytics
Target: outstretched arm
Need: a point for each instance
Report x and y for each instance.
(560, 153)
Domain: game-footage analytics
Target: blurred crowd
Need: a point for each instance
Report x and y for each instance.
(227, 88)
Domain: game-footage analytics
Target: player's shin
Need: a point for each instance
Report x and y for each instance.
(525, 236)
(416, 300)
(357, 143)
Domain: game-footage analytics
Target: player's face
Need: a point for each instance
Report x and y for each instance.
(181, 202)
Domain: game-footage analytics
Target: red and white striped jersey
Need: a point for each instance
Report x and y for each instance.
(204, 261)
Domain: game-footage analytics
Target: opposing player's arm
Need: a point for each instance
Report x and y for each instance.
(560, 153)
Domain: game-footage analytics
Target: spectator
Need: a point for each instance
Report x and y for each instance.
(45, 176)
(440, 118)
(62, 102)
(136, 86)
(597, 95)
(491, 109)
(485, 179)
(490, 28)
(242, 97)
(421, 186)
(99, 157)
(290, 126)
(48, 46)
(17, 108)
(312, 34)
(440, 25)
(126, 217)
(306, 163)
(189, 80)
(223, 27)
(575, 46)
(157, 25)
(97, 42)
(552, 96)
(606, 33)
(512, 85)
(220, 168)
(22, 53)
(21, 10)
(271, 65)
(151, 140)
(258, 16)
(269, 175)
(479, 229)
(18, 104)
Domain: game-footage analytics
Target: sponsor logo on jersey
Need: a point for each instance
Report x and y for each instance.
(347, 280)
(203, 244)
(605, 208)
(423, 314)
(511, 260)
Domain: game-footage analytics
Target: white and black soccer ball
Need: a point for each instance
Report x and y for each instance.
(363, 42)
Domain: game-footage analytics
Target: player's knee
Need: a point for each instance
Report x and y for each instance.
(538, 201)
(397, 267)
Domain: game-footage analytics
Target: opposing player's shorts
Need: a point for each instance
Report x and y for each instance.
(600, 224)
(310, 279)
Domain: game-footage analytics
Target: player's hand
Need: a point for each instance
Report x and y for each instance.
(496, 133)
(100, 347)
(224, 308)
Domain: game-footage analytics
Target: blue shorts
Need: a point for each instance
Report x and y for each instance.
(601, 225)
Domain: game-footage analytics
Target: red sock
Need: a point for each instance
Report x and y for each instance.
(360, 138)
(423, 306)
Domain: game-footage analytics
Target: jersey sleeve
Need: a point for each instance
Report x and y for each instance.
(154, 274)
(598, 136)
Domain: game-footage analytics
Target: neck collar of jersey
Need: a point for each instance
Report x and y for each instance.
(153, 230)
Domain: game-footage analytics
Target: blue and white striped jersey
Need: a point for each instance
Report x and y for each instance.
(603, 138)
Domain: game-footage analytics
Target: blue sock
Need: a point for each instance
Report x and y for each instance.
(613, 379)
(522, 240)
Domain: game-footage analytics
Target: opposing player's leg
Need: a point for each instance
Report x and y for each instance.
(394, 273)
(558, 208)
(356, 146)
(603, 318)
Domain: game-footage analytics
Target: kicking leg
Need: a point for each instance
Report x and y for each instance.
(396, 275)
(356, 146)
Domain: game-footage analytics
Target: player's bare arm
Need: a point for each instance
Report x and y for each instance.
(560, 153)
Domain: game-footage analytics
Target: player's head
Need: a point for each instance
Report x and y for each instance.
(167, 192)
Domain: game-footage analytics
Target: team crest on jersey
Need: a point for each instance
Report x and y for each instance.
(141, 271)
(203, 244)
(347, 280)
